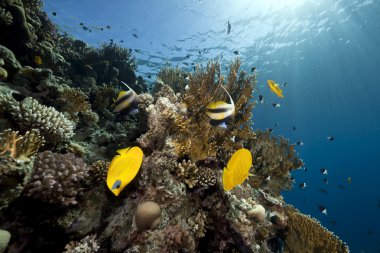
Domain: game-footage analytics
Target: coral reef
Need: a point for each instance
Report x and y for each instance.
(5, 236)
(57, 178)
(55, 98)
(20, 147)
(306, 234)
(273, 161)
(29, 114)
(147, 216)
(88, 244)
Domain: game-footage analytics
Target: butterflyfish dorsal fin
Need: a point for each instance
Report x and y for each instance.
(231, 100)
(128, 86)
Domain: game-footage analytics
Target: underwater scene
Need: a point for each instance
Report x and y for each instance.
(189, 126)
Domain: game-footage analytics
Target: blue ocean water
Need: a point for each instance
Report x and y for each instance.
(327, 52)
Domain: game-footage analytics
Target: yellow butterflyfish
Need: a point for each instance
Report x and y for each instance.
(237, 169)
(275, 89)
(124, 168)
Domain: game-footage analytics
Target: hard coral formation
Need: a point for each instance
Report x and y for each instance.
(306, 234)
(274, 158)
(89, 244)
(147, 216)
(14, 175)
(52, 125)
(174, 77)
(57, 178)
(20, 147)
(5, 236)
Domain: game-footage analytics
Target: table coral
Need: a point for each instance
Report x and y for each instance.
(57, 178)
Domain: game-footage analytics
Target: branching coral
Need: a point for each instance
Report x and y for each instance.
(73, 101)
(306, 234)
(194, 176)
(53, 125)
(198, 139)
(273, 159)
(57, 178)
(18, 146)
(98, 170)
(89, 244)
(174, 77)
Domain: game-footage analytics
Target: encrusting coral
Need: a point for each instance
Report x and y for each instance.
(57, 178)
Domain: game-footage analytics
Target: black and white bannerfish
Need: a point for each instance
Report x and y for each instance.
(322, 209)
(276, 105)
(220, 112)
(302, 185)
(323, 171)
(294, 128)
(299, 143)
(330, 138)
(126, 101)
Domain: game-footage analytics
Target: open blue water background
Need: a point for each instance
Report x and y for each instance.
(327, 51)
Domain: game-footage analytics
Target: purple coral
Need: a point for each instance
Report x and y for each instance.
(57, 178)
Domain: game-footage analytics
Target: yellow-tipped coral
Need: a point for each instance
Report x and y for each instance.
(307, 235)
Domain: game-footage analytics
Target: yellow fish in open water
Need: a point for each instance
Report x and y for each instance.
(274, 88)
(237, 169)
(123, 168)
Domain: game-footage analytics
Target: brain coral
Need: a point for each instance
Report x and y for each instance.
(53, 125)
(57, 178)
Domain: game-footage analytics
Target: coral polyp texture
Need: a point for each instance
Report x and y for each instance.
(52, 125)
(306, 234)
(57, 178)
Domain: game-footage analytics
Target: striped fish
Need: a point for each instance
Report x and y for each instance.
(219, 111)
(126, 101)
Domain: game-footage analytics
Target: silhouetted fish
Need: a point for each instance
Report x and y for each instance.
(236, 52)
(135, 35)
(261, 99)
(322, 209)
(253, 69)
(54, 13)
(294, 128)
(323, 171)
(108, 27)
(302, 185)
(325, 181)
(299, 143)
(228, 27)
(330, 138)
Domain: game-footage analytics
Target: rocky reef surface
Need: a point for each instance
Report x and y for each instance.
(58, 135)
